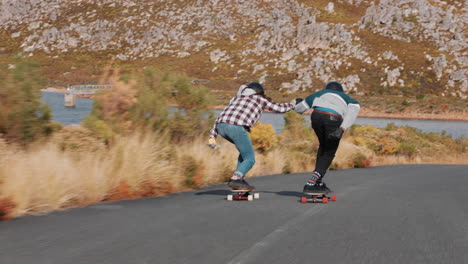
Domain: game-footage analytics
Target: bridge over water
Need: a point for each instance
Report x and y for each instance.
(87, 89)
(73, 90)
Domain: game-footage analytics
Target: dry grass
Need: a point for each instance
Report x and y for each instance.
(47, 177)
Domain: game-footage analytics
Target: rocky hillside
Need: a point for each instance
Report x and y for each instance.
(397, 47)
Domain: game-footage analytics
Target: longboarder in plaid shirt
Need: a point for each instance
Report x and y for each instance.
(235, 121)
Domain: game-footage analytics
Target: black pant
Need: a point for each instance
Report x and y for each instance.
(323, 125)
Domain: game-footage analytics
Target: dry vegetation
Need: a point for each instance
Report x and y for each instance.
(131, 147)
(59, 174)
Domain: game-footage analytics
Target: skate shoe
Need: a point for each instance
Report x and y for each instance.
(309, 188)
(323, 187)
(240, 184)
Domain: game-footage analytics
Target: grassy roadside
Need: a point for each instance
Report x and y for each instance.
(60, 173)
(131, 147)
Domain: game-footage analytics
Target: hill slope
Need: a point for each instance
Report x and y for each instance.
(373, 47)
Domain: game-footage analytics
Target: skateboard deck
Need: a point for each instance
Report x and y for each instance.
(245, 190)
(312, 197)
(242, 195)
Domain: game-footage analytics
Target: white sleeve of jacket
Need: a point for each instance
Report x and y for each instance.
(301, 107)
(350, 115)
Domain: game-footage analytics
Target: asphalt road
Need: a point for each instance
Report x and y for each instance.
(391, 214)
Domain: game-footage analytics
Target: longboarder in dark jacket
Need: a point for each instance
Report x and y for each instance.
(334, 112)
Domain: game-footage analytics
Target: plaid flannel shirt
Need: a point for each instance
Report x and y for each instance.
(246, 110)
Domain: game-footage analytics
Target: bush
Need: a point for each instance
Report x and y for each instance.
(295, 129)
(194, 115)
(77, 139)
(386, 146)
(360, 160)
(366, 131)
(23, 117)
(141, 100)
(286, 168)
(150, 109)
(99, 128)
(360, 141)
(407, 149)
(193, 171)
(113, 107)
(391, 126)
(263, 137)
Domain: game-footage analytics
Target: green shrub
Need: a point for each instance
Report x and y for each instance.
(386, 146)
(286, 168)
(77, 139)
(263, 137)
(359, 160)
(99, 128)
(192, 169)
(366, 131)
(23, 117)
(407, 149)
(295, 129)
(150, 109)
(141, 100)
(391, 126)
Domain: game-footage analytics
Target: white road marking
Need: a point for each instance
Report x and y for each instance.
(250, 254)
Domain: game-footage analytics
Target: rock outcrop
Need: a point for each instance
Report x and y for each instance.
(259, 37)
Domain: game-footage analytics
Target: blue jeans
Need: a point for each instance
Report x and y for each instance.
(238, 136)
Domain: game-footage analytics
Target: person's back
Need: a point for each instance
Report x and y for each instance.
(332, 99)
(235, 121)
(334, 112)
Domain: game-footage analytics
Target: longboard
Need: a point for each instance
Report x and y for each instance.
(317, 197)
(243, 195)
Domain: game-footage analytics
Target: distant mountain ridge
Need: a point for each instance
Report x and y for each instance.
(376, 47)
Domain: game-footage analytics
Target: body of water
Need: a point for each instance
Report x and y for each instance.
(455, 128)
(68, 116)
(65, 115)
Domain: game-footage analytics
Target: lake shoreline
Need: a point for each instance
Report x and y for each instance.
(368, 113)
(416, 116)
(365, 112)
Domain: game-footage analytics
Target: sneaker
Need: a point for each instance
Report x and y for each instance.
(240, 184)
(309, 188)
(323, 187)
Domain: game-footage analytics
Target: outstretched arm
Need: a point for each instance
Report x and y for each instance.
(301, 107)
(279, 108)
(307, 103)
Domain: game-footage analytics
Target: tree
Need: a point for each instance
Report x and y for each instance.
(140, 101)
(23, 116)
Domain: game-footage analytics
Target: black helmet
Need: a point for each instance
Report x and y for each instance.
(257, 87)
(334, 86)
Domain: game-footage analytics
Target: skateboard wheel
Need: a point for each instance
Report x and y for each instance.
(333, 198)
(256, 196)
(229, 197)
(325, 200)
(303, 199)
(250, 197)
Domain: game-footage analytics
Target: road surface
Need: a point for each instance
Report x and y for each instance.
(390, 214)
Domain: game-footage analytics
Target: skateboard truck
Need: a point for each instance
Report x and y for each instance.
(317, 198)
(242, 195)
